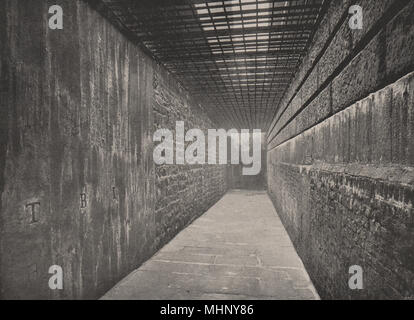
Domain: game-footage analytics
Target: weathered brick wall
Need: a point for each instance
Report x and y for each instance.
(183, 192)
(341, 156)
(76, 124)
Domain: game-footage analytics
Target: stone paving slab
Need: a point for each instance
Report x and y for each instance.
(237, 250)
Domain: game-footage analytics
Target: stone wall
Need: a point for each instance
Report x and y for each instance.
(236, 179)
(78, 185)
(341, 152)
(183, 192)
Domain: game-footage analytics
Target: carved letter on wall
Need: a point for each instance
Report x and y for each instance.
(83, 200)
(32, 209)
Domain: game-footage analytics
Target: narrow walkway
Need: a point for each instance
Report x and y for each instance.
(238, 249)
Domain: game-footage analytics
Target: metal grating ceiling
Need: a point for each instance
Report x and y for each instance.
(237, 57)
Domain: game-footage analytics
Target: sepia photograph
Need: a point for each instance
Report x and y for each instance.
(206, 158)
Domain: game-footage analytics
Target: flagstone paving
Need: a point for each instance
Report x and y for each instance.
(238, 249)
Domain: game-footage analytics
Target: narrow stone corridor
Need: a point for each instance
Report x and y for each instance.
(135, 135)
(238, 249)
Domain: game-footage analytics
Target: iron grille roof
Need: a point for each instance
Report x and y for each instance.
(237, 57)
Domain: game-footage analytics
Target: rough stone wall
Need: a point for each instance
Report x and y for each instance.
(341, 153)
(77, 180)
(236, 179)
(183, 192)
